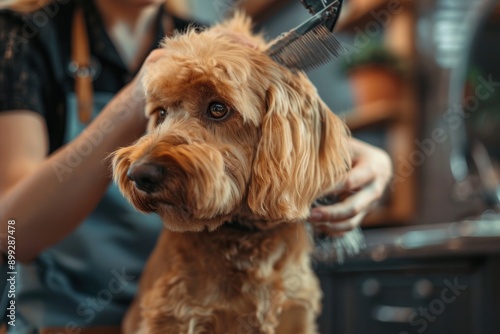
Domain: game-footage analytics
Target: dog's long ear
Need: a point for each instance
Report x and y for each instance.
(303, 151)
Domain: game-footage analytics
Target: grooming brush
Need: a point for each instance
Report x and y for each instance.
(312, 43)
(336, 249)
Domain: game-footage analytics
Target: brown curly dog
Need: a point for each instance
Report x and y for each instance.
(237, 149)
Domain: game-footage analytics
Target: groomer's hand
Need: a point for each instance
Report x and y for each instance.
(360, 190)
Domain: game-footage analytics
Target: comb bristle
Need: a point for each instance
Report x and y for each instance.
(306, 52)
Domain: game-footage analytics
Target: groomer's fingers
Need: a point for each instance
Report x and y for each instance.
(369, 163)
(360, 175)
(350, 207)
(338, 229)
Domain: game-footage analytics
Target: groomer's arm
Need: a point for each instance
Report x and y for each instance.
(49, 196)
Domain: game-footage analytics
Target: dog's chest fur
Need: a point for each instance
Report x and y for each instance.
(228, 281)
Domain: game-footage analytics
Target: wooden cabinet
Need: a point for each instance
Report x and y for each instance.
(444, 285)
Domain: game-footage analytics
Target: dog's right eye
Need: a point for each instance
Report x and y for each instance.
(218, 111)
(161, 114)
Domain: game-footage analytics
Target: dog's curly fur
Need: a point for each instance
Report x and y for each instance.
(236, 191)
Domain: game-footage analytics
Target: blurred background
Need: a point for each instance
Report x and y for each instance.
(420, 79)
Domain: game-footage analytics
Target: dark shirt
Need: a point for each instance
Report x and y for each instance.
(35, 60)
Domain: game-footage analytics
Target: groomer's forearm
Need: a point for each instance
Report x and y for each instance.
(50, 203)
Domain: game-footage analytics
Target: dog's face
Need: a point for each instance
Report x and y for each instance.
(230, 132)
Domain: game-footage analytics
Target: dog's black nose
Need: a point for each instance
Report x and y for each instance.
(146, 176)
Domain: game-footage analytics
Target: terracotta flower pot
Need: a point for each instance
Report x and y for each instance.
(374, 83)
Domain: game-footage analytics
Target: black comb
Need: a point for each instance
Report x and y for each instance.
(312, 43)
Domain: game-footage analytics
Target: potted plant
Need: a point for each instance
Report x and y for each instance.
(376, 74)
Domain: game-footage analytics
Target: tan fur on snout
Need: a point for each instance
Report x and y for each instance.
(235, 192)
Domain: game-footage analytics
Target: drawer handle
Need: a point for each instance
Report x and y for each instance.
(394, 314)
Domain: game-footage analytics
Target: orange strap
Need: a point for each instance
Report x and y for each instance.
(81, 63)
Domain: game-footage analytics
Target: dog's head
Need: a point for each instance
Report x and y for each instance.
(229, 132)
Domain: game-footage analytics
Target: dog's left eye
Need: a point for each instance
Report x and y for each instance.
(217, 110)
(162, 114)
